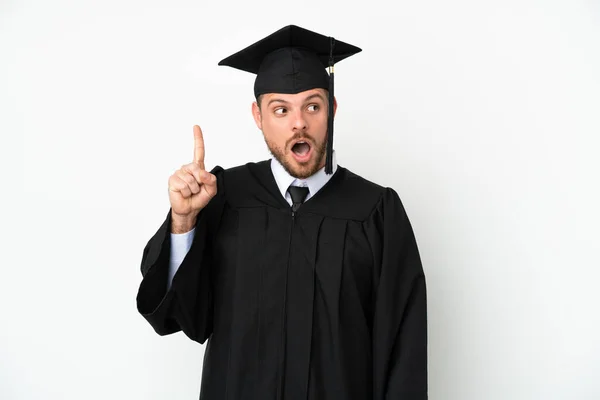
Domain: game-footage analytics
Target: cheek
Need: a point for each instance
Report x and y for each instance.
(318, 124)
(275, 123)
(281, 125)
(270, 127)
(273, 132)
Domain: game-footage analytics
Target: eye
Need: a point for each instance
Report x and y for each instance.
(280, 111)
(313, 107)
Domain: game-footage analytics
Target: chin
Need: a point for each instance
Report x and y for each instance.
(300, 171)
(293, 167)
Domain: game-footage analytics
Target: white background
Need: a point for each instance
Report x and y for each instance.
(483, 115)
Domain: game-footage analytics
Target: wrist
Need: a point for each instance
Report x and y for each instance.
(182, 223)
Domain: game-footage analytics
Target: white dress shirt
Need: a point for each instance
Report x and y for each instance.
(181, 242)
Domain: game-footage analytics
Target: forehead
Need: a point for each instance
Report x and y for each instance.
(294, 98)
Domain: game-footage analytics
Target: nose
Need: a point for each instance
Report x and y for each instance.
(298, 121)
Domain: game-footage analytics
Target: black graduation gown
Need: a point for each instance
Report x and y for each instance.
(325, 303)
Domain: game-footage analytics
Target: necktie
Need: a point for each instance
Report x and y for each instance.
(298, 195)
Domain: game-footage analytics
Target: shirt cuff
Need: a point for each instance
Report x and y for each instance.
(180, 245)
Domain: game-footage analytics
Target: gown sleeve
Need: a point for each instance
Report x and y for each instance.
(400, 305)
(188, 304)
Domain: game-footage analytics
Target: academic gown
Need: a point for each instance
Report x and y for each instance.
(328, 302)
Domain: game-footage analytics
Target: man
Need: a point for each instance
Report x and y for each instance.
(304, 278)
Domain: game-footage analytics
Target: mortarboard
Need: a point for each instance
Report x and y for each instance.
(293, 60)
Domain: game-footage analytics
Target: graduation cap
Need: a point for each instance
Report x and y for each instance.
(292, 60)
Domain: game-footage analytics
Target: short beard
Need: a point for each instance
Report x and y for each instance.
(295, 170)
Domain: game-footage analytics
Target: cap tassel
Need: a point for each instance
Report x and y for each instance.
(329, 158)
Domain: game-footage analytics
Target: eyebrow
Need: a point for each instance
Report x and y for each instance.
(312, 96)
(277, 100)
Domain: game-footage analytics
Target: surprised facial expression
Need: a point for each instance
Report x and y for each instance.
(295, 129)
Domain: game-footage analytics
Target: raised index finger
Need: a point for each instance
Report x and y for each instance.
(198, 146)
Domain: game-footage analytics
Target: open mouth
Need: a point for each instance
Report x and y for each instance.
(301, 150)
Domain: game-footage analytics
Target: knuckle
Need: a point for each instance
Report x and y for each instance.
(173, 184)
(191, 180)
(185, 177)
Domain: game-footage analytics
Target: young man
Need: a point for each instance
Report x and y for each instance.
(305, 278)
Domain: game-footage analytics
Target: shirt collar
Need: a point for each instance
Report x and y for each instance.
(314, 182)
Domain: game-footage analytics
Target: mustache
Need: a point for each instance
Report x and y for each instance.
(297, 137)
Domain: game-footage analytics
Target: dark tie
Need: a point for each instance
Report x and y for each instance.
(298, 195)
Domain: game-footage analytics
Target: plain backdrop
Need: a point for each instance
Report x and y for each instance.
(483, 115)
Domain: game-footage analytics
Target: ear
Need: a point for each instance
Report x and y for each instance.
(257, 115)
(334, 105)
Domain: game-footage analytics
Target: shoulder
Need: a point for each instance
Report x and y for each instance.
(362, 184)
(377, 205)
(254, 170)
(350, 196)
(233, 176)
(371, 194)
(248, 185)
